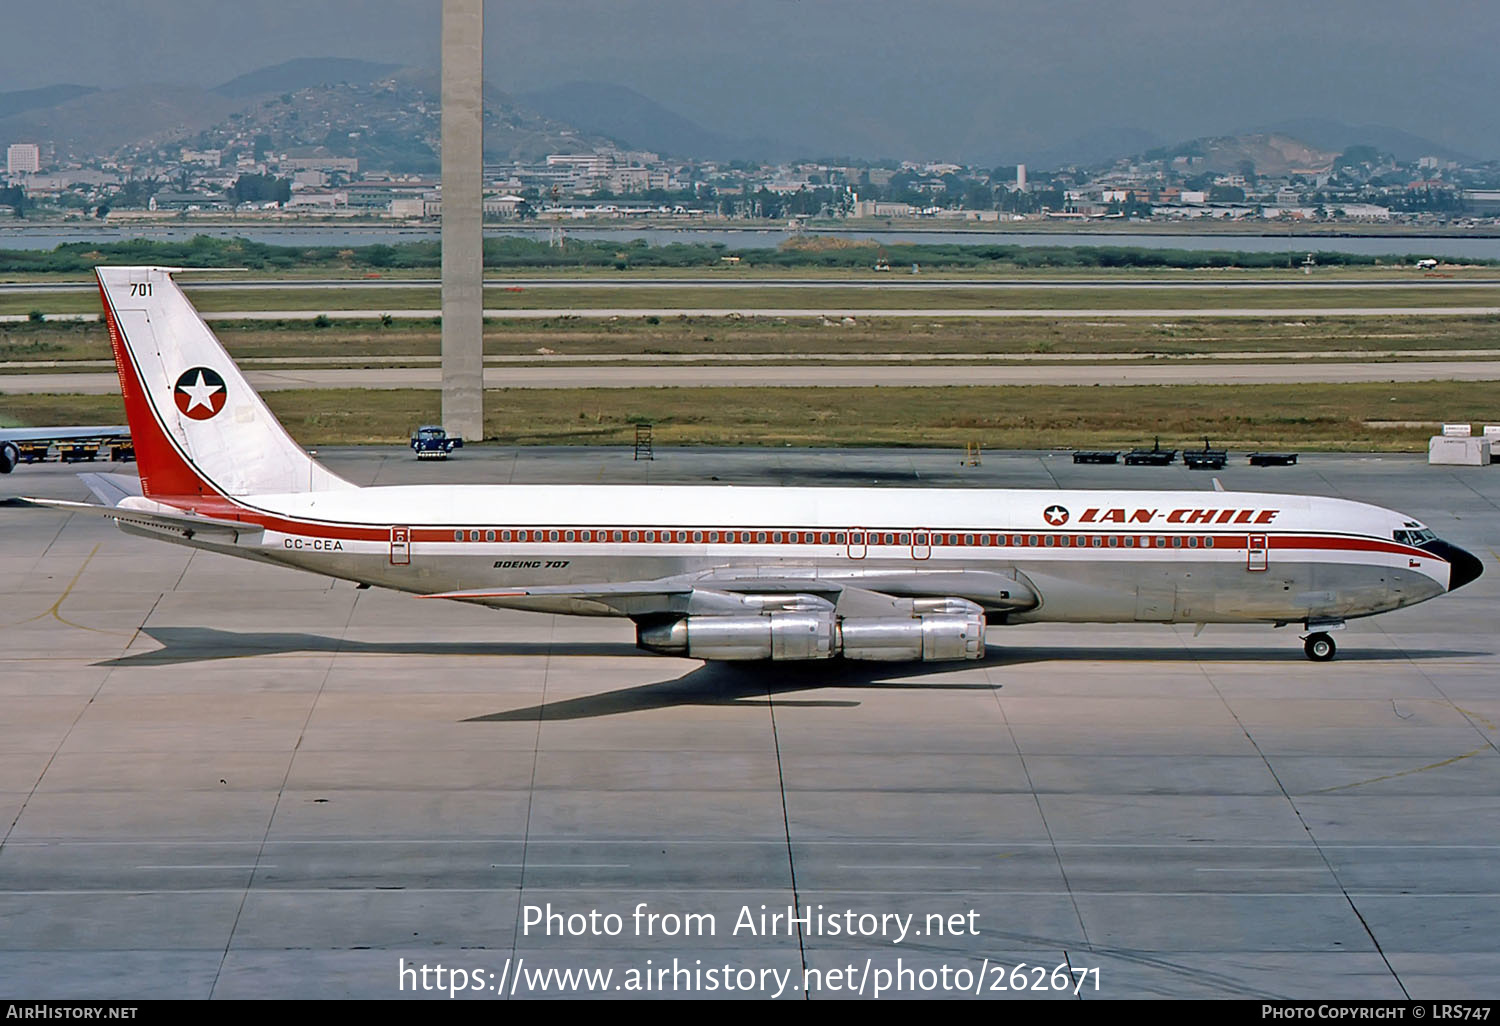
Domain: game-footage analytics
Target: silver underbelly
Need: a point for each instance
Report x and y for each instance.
(1110, 591)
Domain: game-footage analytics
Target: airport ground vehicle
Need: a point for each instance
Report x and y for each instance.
(1155, 456)
(431, 442)
(721, 572)
(1205, 458)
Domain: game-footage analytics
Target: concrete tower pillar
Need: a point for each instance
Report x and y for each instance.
(463, 214)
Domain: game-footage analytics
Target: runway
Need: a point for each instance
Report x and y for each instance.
(801, 375)
(903, 283)
(224, 779)
(564, 359)
(967, 313)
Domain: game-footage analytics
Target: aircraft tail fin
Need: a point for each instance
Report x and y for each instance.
(199, 429)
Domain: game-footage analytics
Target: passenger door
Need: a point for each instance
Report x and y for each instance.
(857, 543)
(921, 544)
(1257, 553)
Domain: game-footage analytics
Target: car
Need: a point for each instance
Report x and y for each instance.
(431, 442)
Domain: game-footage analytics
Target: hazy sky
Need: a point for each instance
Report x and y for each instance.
(963, 79)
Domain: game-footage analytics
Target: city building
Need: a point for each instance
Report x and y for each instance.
(318, 158)
(1482, 201)
(23, 159)
(880, 208)
(503, 206)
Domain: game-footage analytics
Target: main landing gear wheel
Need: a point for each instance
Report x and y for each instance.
(1319, 647)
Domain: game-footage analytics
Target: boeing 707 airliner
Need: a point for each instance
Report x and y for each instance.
(725, 572)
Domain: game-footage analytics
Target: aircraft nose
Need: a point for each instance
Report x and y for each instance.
(1466, 566)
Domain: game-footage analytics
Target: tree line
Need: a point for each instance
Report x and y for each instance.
(519, 253)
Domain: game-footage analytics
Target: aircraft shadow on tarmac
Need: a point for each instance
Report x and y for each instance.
(205, 644)
(717, 684)
(730, 684)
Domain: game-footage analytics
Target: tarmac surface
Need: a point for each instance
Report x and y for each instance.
(225, 779)
(1285, 369)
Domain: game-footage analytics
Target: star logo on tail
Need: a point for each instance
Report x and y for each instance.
(200, 393)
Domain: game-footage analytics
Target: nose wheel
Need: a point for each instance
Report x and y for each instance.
(1319, 647)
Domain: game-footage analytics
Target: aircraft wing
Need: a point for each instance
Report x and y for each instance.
(624, 598)
(867, 593)
(64, 434)
(13, 439)
(184, 525)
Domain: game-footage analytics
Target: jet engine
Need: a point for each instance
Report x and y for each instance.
(937, 629)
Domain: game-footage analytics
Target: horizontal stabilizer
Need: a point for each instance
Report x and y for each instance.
(111, 489)
(185, 525)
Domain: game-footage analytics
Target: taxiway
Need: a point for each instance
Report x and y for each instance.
(222, 779)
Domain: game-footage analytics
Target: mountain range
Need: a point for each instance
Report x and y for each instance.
(388, 116)
(385, 114)
(630, 119)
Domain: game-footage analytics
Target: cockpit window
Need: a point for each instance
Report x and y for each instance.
(1414, 538)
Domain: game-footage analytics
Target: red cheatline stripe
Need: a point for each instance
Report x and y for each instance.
(660, 537)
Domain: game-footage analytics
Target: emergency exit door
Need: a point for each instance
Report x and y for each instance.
(400, 546)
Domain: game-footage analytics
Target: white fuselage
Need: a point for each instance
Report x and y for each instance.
(1082, 555)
